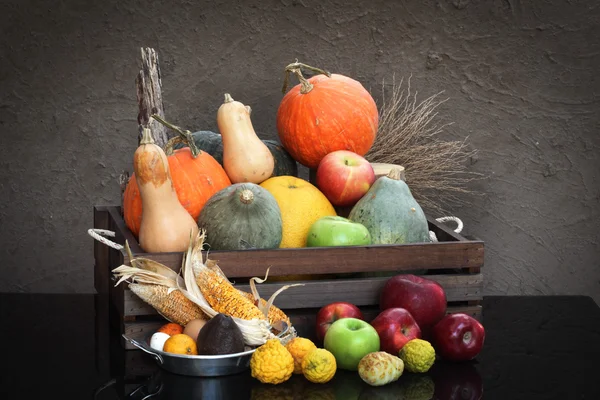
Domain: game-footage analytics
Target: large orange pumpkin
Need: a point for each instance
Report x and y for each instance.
(325, 113)
(195, 178)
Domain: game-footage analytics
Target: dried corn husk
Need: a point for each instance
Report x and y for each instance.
(154, 266)
(267, 307)
(162, 287)
(161, 293)
(255, 331)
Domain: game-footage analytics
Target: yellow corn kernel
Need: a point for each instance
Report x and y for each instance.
(224, 298)
(275, 314)
(173, 306)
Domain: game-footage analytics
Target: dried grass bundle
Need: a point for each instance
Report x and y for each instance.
(408, 135)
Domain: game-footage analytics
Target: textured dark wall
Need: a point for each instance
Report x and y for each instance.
(521, 78)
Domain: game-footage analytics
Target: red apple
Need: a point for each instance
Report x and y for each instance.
(458, 337)
(330, 313)
(423, 298)
(395, 327)
(344, 177)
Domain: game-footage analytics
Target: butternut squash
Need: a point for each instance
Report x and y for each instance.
(166, 225)
(245, 157)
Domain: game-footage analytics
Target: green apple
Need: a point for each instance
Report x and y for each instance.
(337, 231)
(349, 340)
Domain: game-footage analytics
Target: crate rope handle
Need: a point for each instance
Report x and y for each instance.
(97, 234)
(458, 229)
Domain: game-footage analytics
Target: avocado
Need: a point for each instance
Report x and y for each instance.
(220, 335)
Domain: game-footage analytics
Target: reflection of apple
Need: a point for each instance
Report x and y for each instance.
(423, 298)
(346, 385)
(330, 313)
(457, 381)
(395, 327)
(337, 231)
(344, 177)
(349, 340)
(458, 337)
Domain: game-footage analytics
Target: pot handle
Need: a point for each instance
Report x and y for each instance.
(145, 349)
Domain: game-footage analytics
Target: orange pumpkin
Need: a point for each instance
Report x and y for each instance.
(195, 179)
(325, 113)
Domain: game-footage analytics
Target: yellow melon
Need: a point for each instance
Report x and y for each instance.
(301, 204)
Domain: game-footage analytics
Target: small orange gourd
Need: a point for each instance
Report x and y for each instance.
(166, 225)
(245, 157)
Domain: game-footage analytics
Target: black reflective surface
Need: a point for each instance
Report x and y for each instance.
(536, 348)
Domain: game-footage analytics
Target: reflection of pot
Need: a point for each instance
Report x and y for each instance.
(348, 385)
(457, 381)
(166, 385)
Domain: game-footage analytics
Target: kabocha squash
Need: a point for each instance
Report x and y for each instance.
(212, 143)
(208, 141)
(195, 174)
(325, 113)
(166, 225)
(245, 157)
(390, 212)
(284, 163)
(242, 216)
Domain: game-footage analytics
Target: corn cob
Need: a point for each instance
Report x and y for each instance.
(168, 302)
(275, 314)
(223, 297)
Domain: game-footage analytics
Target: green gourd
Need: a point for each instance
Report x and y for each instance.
(241, 216)
(391, 213)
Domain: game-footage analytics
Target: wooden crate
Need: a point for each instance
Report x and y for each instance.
(455, 262)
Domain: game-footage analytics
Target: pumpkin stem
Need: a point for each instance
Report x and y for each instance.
(228, 98)
(296, 69)
(146, 136)
(184, 137)
(246, 196)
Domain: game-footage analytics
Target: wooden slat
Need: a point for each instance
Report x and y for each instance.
(101, 221)
(126, 234)
(116, 293)
(362, 292)
(247, 263)
(303, 321)
(443, 232)
(456, 259)
(254, 262)
(138, 364)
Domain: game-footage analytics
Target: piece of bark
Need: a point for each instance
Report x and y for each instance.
(149, 96)
(382, 169)
(123, 181)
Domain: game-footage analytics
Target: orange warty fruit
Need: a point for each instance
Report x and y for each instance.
(171, 329)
